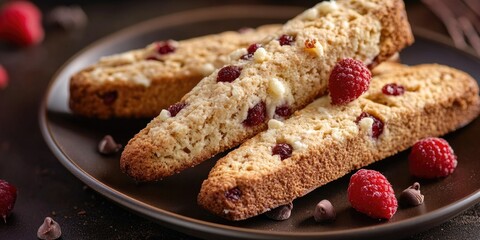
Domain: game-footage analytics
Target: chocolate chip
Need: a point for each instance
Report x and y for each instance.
(49, 230)
(108, 145)
(411, 196)
(324, 212)
(280, 213)
(67, 17)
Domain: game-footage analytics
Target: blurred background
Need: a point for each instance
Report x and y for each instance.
(31, 68)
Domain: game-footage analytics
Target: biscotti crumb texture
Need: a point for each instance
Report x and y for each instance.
(334, 141)
(139, 83)
(218, 114)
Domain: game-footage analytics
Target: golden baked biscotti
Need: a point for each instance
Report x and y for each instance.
(285, 74)
(140, 83)
(328, 141)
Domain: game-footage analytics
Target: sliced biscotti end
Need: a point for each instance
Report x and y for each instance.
(139, 83)
(396, 30)
(324, 142)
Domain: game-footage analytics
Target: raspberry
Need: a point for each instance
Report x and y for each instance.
(284, 150)
(377, 126)
(21, 23)
(229, 74)
(250, 51)
(3, 77)
(286, 40)
(175, 108)
(8, 195)
(370, 193)
(393, 89)
(256, 115)
(432, 158)
(348, 80)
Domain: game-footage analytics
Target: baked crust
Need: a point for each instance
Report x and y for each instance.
(438, 100)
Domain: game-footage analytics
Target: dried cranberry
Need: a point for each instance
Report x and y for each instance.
(109, 97)
(393, 89)
(282, 149)
(233, 194)
(286, 40)
(228, 74)
(251, 50)
(165, 47)
(283, 111)
(256, 115)
(377, 127)
(175, 108)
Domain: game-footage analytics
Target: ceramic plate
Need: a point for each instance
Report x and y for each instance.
(172, 201)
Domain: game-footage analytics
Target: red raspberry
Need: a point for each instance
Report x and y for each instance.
(8, 195)
(21, 23)
(432, 158)
(348, 80)
(3, 77)
(370, 193)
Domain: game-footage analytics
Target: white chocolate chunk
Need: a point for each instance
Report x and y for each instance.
(327, 7)
(366, 125)
(207, 69)
(310, 14)
(276, 88)
(164, 114)
(260, 55)
(275, 124)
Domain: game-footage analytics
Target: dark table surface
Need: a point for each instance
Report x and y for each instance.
(46, 188)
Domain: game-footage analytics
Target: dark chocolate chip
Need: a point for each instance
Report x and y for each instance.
(324, 212)
(67, 17)
(108, 145)
(49, 230)
(411, 196)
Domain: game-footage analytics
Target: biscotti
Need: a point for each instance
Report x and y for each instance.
(281, 76)
(330, 141)
(142, 82)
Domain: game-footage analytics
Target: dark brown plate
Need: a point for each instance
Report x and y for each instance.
(173, 201)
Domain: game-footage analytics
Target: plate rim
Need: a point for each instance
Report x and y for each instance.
(191, 225)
